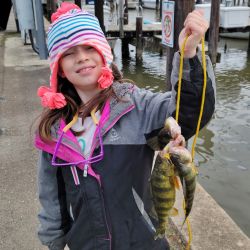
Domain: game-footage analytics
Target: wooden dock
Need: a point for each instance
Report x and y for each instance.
(148, 30)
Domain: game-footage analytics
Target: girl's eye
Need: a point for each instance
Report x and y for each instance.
(89, 48)
(68, 53)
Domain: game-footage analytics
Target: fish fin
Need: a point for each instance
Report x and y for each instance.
(184, 221)
(165, 156)
(173, 212)
(177, 183)
(152, 213)
(195, 169)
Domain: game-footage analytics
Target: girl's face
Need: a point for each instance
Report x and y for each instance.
(82, 66)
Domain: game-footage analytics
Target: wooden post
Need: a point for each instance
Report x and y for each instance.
(125, 12)
(157, 3)
(120, 11)
(139, 48)
(182, 8)
(78, 3)
(249, 34)
(99, 13)
(249, 44)
(214, 30)
(51, 8)
(125, 47)
(160, 9)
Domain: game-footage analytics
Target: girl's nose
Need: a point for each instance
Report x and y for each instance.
(82, 55)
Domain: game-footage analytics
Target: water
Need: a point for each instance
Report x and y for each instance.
(222, 151)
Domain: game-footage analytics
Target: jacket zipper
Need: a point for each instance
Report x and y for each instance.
(105, 217)
(99, 187)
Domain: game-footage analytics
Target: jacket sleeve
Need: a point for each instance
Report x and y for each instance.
(156, 107)
(53, 217)
(191, 93)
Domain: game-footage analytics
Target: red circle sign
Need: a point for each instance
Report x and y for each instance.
(167, 26)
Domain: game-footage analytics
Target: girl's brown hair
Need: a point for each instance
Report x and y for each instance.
(74, 104)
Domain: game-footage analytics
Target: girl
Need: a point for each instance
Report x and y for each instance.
(95, 164)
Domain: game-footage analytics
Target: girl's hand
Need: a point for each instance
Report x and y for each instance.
(195, 26)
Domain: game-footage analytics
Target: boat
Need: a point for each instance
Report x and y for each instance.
(149, 4)
(132, 4)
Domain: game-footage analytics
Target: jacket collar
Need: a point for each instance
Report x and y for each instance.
(119, 105)
(114, 109)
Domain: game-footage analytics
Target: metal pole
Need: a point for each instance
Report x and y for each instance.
(40, 36)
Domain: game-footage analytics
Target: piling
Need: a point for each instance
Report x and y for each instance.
(78, 3)
(214, 30)
(182, 8)
(99, 13)
(125, 47)
(139, 45)
(249, 44)
(51, 8)
(157, 3)
(125, 12)
(120, 11)
(139, 37)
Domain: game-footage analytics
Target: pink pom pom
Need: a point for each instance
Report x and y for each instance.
(106, 78)
(65, 7)
(51, 99)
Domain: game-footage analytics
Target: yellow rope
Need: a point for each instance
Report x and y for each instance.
(203, 96)
(200, 115)
(69, 125)
(179, 81)
(92, 113)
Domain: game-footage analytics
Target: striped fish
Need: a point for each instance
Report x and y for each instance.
(163, 191)
(186, 169)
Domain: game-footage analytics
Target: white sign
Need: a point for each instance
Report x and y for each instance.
(168, 23)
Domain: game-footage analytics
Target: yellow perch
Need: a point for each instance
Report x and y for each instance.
(186, 169)
(163, 190)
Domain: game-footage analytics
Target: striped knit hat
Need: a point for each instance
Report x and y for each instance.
(70, 27)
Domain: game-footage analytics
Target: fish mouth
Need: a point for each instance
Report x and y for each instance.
(85, 69)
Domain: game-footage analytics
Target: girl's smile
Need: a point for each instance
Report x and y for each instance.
(85, 70)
